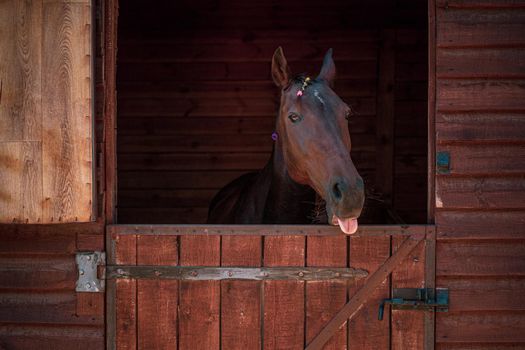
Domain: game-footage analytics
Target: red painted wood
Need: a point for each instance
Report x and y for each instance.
(284, 313)
(365, 331)
(199, 301)
(324, 299)
(408, 325)
(241, 300)
(157, 300)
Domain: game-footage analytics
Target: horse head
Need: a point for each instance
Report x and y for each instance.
(313, 135)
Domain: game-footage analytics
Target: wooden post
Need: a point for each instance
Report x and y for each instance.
(385, 116)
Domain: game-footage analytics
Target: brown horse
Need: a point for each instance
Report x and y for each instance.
(311, 155)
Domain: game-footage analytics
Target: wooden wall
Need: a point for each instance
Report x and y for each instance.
(46, 144)
(480, 204)
(197, 106)
(39, 307)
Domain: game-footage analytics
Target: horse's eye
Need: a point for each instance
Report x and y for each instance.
(294, 117)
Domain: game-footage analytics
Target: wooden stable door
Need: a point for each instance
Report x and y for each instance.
(265, 287)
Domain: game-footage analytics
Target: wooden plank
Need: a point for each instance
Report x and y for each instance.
(471, 294)
(167, 51)
(170, 71)
(176, 179)
(264, 230)
(197, 161)
(20, 71)
(21, 174)
(481, 3)
(478, 346)
(157, 301)
(199, 311)
(408, 325)
(480, 327)
(480, 95)
(366, 331)
(67, 143)
(51, 337)
(385, 115)
(57, 308)
(42, 271)
(35, 239)
(241, 308)
(481, 258)
(324, 299)
(481, 63)
(163, 215)
(283, 309)
(212, 143)
(483, 159)
(480, 27)
(480, 225)
(124, 251)
(109, 52)
(358, 300)
(480, 193)
(480, 127)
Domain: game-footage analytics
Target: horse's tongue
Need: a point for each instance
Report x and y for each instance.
(348, 225)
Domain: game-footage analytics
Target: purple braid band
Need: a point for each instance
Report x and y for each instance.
(275, 136)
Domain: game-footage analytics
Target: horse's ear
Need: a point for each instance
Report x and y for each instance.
(280, 70)
(328, 69)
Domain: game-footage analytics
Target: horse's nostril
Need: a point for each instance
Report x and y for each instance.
(337, 191)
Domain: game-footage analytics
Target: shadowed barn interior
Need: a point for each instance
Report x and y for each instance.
(197, 105)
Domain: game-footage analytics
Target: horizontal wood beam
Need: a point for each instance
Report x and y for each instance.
(265, 230)
(208, 273)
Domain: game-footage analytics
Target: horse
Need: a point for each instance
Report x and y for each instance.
(310, 159)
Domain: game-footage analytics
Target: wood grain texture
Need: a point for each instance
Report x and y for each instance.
(323, 298)
(66, 109)
(283, 313)
(241, 301)
(125, 252)
(499, 225)
(408, 325)
(20, 175)
(365, 331)
(199, 301)
(157, 301)
(20, 71)
(481, 258)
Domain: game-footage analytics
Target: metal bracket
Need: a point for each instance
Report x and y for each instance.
(425, 299)
(88, 280)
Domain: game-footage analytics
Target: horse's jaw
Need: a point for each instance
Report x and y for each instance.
(348, 225)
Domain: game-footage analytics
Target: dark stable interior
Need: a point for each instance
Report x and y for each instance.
(197, 105)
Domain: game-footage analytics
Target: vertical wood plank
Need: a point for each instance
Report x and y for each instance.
(408, 325)
(365, 331)
(385, 115)
(157, 300)
(66, 108)
(324, 299)
(125, 253)
(20, 176)
(241, 300)
(283, 319)
(20, 71)
(199, 309)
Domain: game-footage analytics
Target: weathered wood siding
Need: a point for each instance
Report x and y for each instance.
(39, 307)
(197, 104)
(46, 144)
(480, 205)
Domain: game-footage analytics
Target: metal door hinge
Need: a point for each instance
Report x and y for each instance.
(426, 299)
(88, 277)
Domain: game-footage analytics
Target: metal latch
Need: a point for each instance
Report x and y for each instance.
(88, 280)
(427, 299)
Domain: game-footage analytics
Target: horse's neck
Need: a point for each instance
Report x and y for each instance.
(287, 201)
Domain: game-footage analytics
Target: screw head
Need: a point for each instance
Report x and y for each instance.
(230, 273)
(81, 272)
(88, 285)
(301, 274)
(88, 257)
